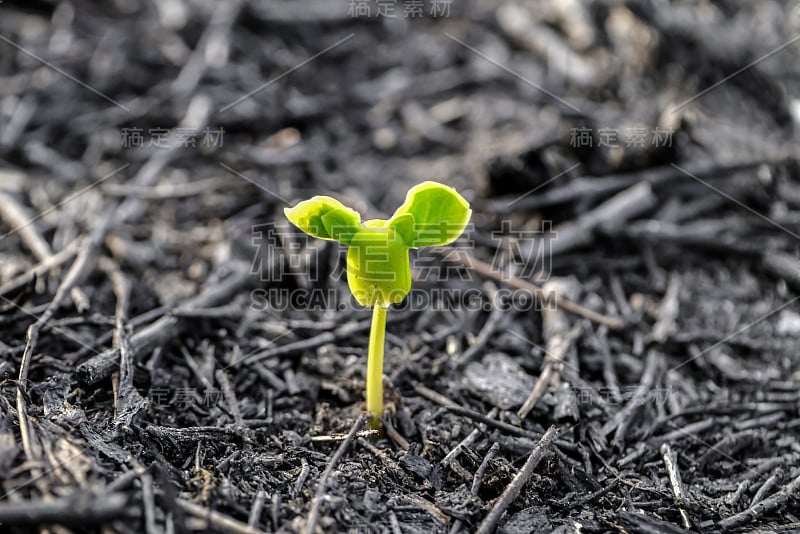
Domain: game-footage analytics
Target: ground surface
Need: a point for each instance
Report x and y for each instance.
(173, 358)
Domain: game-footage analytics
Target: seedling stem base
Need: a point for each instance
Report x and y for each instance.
(375, 364)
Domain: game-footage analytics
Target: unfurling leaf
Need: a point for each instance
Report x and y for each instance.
(325, 218)
(440, 215)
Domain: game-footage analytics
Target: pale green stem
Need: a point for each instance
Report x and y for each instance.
(375, 363)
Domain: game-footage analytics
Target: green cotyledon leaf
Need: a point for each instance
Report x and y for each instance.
(378, 267)
(325, 218)
(440, 215)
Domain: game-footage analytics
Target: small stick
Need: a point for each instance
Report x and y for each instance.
(624, 417)
(609, 373)
(783, 266)
(322, 487)
(127, 400)
(601, 186)
(557, 347)
(671, 463)
(477, 479)
(513, 490)
(255, 510)
(307, 344)
(767, 486)
(733, 498)
(387, 460)
(467, 441)
(435, 396)
(667, 311)
(481, 472)
(57, 259)
(191, 434)
(472, 414)
(767, 505)
(394, 435)
(341, 437)
(395, 524)
(220, 521)
(275, 510)
(487, 330)
(301, 479)
(22, 223)
(217, 33)
(611, 214)
(689, 430)
(433, 510)
(81, 510)
(230, 397)
(148, 502)
(486, 270)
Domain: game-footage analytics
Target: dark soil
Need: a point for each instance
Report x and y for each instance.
(174, 358)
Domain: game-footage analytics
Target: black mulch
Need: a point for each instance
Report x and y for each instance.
(173, 358)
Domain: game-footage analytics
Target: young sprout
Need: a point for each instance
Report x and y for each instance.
(378, 267)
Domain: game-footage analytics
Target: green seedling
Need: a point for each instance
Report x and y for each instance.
(378, 266)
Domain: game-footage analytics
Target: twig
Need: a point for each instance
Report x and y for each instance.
(472, 414)
(515, 487)
(535, 291)
(612, 213)
(434, 396)
(341, 437)
(148, 502)
(394, 523)
(128, 401)
(767, 486)
(768, 504)
(486, 331)
(230, 397)
(667, 311)
(467, 441)
(394, 435)
(686, 431)
(21, 222)
(423, 503)
(557, 347)
(671, 463)
(598, 186)
(220, 521)
(322, 487)
(57, 259)
(217, 31)
(481, 472)
(783, 266)
(381, 455)
(623, 418)
(609, 373)
(255, 510)
(478, 479)
(81, 510)
(301, 478)
(308, 344)
(191, 434)
(275, 510)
